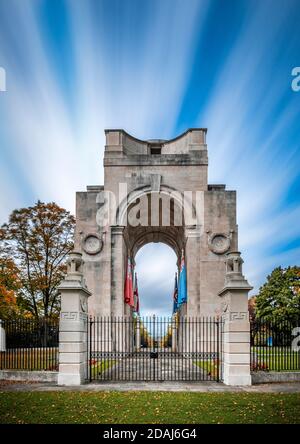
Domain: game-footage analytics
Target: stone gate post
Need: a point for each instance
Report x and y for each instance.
(73, 324)
(236, 336)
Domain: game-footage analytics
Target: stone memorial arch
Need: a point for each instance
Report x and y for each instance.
(169, 179)
(155, 191)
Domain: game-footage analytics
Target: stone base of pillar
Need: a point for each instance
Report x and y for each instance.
(236, 333)
(72, 374)
(70, 379)
(236, 370)
(236, 374)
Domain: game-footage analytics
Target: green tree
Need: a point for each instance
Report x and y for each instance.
(38, 239)
(279, 297)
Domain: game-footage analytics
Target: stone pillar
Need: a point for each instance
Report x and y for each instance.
(73, 324)
(192, 251)
(120, 333)
(2, 338)
(117, 270)
(236, 331)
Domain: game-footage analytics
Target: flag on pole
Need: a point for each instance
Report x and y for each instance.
(128, 288)
(175, 296)
(136, 296)
(182, 288)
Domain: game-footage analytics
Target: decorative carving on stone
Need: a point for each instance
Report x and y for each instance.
(234, 263)
(74, 264)
(219, 243)
(73, 316)
(83, 316)
(239, 316)
(92, 244)
(69, 315)
(83, 305)
(74, 274)
(224, 306)
(235, 316)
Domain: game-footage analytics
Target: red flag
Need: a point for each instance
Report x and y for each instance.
(128, 289)
(136, 296)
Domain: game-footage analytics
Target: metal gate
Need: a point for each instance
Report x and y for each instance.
(154, 349)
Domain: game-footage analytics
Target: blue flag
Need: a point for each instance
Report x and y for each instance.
(182, 290)
(175, 296)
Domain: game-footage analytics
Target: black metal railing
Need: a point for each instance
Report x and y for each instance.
(30, 345)
(154, 349)
(275, 345)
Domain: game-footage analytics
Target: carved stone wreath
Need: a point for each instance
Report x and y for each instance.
(219, 243)
(92, 243)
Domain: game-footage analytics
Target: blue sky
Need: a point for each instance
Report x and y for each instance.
(155, 68)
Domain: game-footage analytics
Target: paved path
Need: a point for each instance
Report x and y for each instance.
(163, 368)
(153, 386)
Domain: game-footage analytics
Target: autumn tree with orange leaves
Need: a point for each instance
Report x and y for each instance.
(9, 285)
(37, 241)
(252, 307)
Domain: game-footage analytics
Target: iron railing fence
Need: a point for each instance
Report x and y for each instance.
(275, 345)
(154, 349)
(30, 345)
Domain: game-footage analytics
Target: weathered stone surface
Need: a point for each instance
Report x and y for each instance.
(270, 377)
(236, 324)
(32, 375)
(156, 168)
(73, 324)
(145, 183)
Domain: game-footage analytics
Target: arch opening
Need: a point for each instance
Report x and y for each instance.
(156, 264)
(158, 220)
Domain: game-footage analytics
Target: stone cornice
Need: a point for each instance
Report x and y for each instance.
(234, 287)
(71, 285)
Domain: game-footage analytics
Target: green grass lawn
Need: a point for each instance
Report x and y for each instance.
(101, 366)
(211, 367)
(277, 358)
(148, 407)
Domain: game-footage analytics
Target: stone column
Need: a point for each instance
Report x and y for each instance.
(117, 287)
(73, 324)
(117, 270)
(236, 330)
(192, 252)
